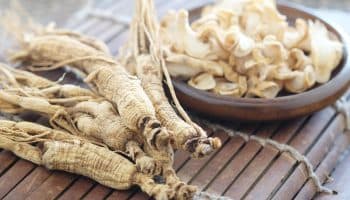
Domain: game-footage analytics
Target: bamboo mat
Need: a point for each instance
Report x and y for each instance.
(241, 169)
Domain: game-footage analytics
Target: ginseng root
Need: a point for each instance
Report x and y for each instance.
(147, 160)
(58, 150)
(50, 50)
(144, 49)
(95, 119)
(13, 79)
(101, 120)
(98, 121)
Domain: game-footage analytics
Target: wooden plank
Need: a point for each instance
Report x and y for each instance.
(262, 160)
(309, 191)
(113, 32)
(78, 189)
(216, 164)
(92, 20)
(315, 156)
(220, 160)
(250, 151)
(98, 192)
(29, 184)
(140, 196)
(117, 42)
(6, 160)
(341, 175)
(237, 162)
(101, 27)
(95, 26)
(120, 195)
(125, 10)
(87, 25)
(14, 175)
(193, 166)
(52, 186)
(275, 174)
(80, 17)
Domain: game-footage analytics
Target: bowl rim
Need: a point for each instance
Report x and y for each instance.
(341, 75)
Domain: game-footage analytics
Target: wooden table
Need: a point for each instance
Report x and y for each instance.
(240, 169)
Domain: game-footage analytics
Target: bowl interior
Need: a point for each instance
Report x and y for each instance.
(292, 12)
(286, 105)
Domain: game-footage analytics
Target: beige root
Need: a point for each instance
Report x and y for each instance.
(52, 50)
(59, 150)
(12, 79)
(96, 119)
(92, 42)
(147, 54)
(99, 121)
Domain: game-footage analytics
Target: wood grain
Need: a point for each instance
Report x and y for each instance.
(239, 169)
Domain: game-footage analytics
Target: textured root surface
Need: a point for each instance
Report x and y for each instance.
(144, 163)
(93, 119)
(148, 165)
(200, 147)
(106, 75)
(183, 191)
(61, 151)
(92, 42)
(158, 191)
(147, 54)
(23, 150)
(28, 84)
(98, 163)
(101, 120)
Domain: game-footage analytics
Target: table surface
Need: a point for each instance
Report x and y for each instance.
(240, 169)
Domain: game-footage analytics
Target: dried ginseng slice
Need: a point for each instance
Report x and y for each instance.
(204, 81)
(226, 88)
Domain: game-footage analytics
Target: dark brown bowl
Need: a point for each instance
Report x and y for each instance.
(279, 108)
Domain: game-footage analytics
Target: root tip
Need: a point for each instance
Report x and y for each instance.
(216, 143)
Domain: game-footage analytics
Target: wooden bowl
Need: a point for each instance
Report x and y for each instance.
(279, 108)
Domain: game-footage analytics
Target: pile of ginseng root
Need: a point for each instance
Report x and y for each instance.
(122, 131)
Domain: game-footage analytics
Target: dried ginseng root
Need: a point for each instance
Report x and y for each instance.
(144, 49)
(59, 150)
(95, 119)
(13, 79)
(51, 49)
